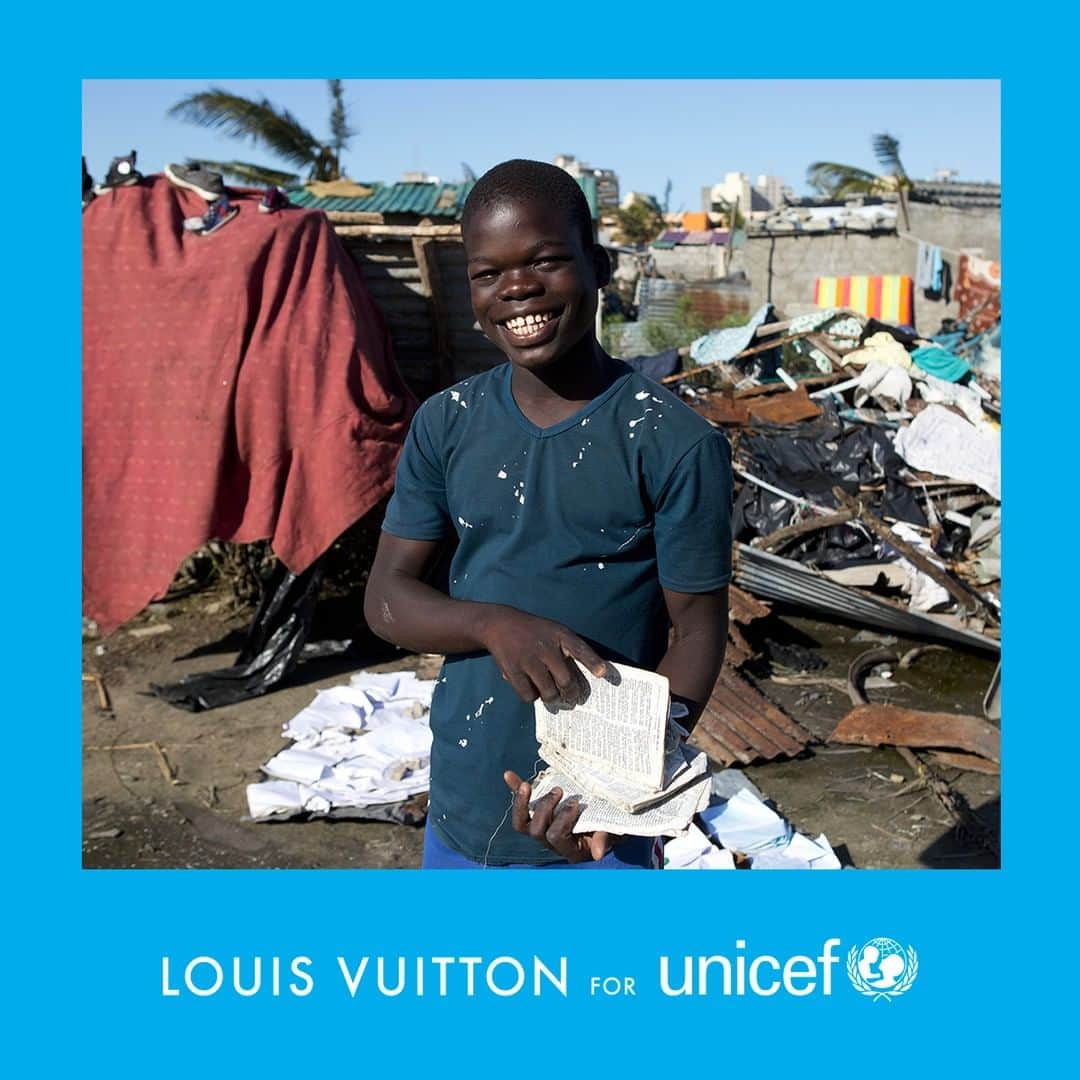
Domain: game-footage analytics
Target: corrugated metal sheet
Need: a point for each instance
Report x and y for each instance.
(777, 578)
(741, 724)
(627, 340)
(658, 298)
(424, 200)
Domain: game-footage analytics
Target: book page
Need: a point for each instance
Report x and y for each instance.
(666, 818)
(681, 767)
(620, 726)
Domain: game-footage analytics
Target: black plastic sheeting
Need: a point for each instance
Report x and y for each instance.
(809, 460)
(272, 649)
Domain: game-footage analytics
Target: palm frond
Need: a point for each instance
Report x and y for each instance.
(259, 121)
(887, 151)
(834, 179)
(340, 132)
(245, 172)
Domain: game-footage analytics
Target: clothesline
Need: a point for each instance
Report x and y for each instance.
(949, 250)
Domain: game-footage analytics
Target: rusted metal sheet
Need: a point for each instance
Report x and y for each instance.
(890, 725)
(741, 724)
(744, 608)
(787, 408)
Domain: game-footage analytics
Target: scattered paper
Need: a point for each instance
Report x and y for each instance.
(364, 744)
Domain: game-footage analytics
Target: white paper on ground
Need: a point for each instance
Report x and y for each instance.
(743, 823)
(330, 765)
(284, 797)
(693, 850)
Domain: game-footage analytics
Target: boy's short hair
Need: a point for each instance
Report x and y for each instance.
(521, 179)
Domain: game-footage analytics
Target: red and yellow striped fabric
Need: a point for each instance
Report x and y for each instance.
(888, 297)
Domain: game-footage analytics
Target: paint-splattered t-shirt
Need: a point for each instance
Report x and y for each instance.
(582, 522)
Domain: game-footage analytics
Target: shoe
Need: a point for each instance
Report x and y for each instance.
(122, 173)
(274, 199)
(195, 177)
(218, 213)
(87, 186)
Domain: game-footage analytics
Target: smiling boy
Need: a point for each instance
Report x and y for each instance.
(592, 512)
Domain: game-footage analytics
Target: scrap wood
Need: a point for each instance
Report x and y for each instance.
(102, 694)
(773, 388)
(968, 599)
(968, 824)
(159, 756)
(780, 537)
(954, 759)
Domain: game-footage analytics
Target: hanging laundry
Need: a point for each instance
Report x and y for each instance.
(937, 271)
(924, 265)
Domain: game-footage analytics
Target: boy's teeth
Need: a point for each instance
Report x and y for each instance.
(527, 322)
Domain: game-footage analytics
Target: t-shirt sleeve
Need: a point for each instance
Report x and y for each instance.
(693, 519)
(418, 508)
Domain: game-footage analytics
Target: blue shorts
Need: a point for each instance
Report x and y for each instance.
(634, 853)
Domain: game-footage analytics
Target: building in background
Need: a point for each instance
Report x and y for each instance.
(755, 200)
(607, 182)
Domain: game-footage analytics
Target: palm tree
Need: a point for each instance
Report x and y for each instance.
(836, 181)
(273, 128)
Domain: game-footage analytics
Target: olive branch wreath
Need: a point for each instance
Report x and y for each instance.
(911, 970)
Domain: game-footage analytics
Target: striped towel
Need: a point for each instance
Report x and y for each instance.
(888, 297)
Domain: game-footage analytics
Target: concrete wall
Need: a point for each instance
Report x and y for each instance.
(691, 262)
(797, 260)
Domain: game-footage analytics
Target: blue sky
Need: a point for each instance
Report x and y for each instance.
(691, 131)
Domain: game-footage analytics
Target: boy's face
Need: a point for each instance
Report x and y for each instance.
(533, 286)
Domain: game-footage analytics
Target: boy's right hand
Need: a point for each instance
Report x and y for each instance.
(535, 655)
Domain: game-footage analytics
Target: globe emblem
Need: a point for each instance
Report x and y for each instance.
(882, 968)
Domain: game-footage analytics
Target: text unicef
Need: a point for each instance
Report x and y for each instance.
(738, 974)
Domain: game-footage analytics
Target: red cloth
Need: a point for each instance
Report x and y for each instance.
(238, 386)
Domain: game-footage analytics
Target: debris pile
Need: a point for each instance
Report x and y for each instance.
(868, 458)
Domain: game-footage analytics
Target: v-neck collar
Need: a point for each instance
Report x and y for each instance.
(563, 425)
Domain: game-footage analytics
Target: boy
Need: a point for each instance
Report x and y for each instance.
(592, 510)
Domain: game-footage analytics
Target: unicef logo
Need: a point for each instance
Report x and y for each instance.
(881, 968)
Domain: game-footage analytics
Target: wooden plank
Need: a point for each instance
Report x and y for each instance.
(448, 232)
(424, 252)
(780, 537)
(967, 598)
(354, 217)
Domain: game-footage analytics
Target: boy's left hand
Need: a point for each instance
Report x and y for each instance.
(553, 825)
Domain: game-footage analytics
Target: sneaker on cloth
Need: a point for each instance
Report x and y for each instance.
(273, 199)
(217, 214)
(197, 178)
(122, 173)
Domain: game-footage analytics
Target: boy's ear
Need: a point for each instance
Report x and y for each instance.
(602, 266)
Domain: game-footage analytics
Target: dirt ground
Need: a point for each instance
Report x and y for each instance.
(185, 807)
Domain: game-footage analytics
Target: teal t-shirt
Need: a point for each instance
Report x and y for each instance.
(583, 523)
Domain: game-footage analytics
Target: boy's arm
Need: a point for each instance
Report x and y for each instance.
(531, 653)
(696, 648)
